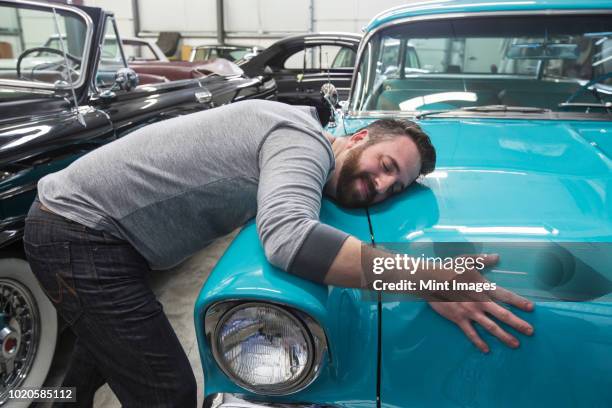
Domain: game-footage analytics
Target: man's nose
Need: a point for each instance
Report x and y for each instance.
(382, 183)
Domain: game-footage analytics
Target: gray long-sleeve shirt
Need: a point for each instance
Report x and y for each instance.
(172, 187)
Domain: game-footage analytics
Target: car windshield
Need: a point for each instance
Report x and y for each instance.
(138, 51)
(559, 63)
(230, 54)
(33, 42)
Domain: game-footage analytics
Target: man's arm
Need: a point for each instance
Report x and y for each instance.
(293, 170)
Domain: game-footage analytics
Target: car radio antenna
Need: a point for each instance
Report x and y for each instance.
(69, 75)
(327, 64)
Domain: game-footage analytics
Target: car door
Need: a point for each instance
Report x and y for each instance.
(302, 71)
(45, 123)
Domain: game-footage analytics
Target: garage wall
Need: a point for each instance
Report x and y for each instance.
(266, 17)
(123, 13)
(21, 29)
(349, 15)
(258, 22)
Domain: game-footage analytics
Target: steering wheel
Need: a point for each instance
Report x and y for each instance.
(71, 57)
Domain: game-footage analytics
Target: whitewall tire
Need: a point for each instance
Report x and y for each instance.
(28, 331)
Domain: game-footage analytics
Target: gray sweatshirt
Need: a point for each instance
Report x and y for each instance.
(172, 187)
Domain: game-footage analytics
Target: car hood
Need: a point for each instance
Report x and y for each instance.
(499, 181)
(496, 179)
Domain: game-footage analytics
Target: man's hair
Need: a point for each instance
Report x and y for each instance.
(388, 129)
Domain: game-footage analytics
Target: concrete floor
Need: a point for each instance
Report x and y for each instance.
(177, 290)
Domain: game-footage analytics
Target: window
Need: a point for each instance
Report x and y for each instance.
(321, 57)
(537, 61)
(135, 51)
(201, 54)
(111, 58)
(228, 53)
(33, 42)
(345, 58)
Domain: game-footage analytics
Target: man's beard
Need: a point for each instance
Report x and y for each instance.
(348, 192)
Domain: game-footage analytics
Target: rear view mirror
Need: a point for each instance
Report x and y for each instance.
(539, 51)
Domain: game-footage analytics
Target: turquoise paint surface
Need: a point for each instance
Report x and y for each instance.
(348, 377)
(544, 176)
(497, 180)
(426, 8)
(500, 180)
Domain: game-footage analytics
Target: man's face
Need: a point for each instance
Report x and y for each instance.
(372, 172)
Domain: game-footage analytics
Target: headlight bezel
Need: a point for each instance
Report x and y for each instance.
(219, 312)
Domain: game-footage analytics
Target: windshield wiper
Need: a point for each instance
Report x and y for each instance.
(605, 105)
(487, 109)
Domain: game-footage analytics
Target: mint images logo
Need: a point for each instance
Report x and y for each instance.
(432, 285)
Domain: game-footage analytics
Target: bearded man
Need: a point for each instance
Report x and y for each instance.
(156, 196)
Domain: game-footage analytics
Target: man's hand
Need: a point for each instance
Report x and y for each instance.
(460, 308)
(482, 311)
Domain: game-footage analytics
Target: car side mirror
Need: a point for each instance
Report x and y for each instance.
(329, 93)
(126, 79)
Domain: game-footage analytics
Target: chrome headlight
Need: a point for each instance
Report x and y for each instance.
(265, 348)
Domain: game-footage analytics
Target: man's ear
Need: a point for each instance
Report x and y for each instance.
(357, 137)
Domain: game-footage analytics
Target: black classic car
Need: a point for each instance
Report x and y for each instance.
(56, 104)
(301, 64)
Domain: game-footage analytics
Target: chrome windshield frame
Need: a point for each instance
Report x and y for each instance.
(365, 42)
(33, 5)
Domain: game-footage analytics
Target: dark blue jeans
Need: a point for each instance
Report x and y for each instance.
(98, 284)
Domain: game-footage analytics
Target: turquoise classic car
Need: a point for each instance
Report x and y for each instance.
(517, 98)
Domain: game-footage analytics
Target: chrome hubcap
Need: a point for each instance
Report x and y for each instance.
(9, 341)
(19, 331)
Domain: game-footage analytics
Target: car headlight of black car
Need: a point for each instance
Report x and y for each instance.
(265, 348)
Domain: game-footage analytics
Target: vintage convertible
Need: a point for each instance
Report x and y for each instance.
(56, 104)
(517, 99)
(301, 64)
(146, 59)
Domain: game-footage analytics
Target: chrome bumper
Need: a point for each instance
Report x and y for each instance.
(240, 401)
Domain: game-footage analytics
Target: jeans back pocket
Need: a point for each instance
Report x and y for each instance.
(51, 264)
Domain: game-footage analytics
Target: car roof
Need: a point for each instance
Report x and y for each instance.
(320, 36)
(433, 7)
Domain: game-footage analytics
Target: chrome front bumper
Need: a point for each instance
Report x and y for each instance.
(240, 401)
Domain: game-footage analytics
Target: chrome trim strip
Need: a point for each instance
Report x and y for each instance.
(11, 221)
(11, 229)
(509, 13)
(215, 315)
(553, 115)
(226, 400)
(9, 236)
(18, 190)
(86, 47)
